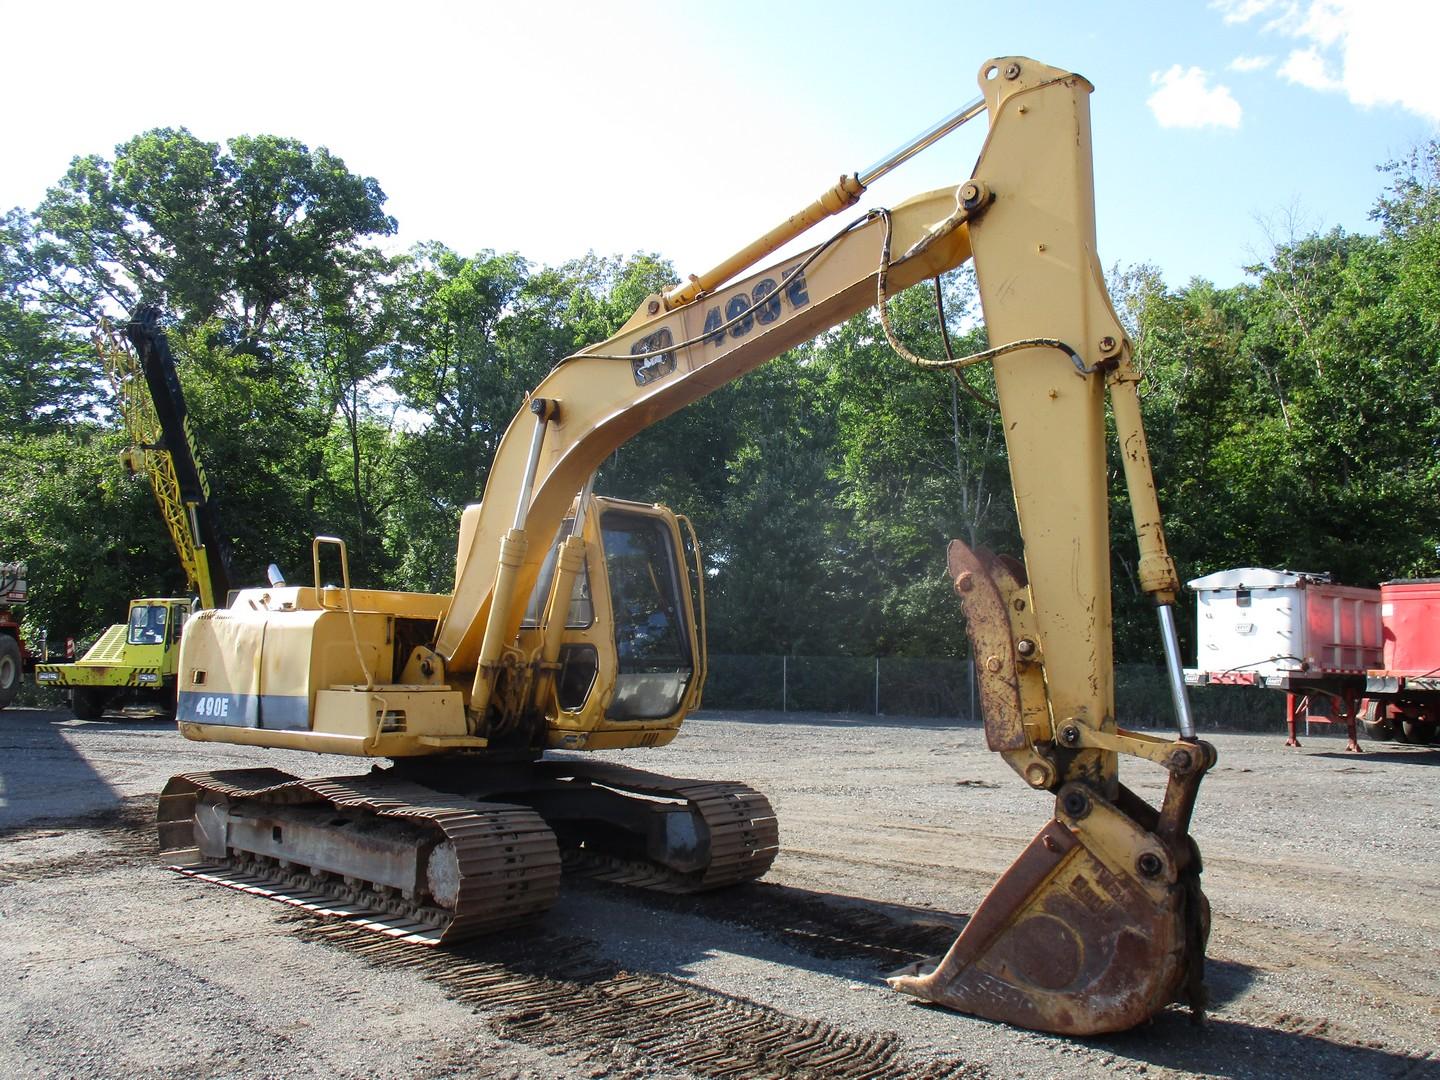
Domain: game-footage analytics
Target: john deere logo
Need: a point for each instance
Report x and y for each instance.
(653, 357)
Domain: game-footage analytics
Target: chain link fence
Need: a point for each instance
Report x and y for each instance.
(908, 686)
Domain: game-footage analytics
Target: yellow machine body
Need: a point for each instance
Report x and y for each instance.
(334, 670)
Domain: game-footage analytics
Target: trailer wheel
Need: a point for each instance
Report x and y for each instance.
(1419, 732)
(1380, 731)
(9, 669)
(88, 703)
(1379, 724)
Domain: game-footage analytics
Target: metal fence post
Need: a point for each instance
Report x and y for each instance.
(877, 686)
(785, 683)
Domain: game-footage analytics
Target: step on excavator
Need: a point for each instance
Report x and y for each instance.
(577, 624)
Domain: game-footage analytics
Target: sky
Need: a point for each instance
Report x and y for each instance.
(553, 129)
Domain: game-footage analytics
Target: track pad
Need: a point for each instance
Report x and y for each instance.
(1086, 933)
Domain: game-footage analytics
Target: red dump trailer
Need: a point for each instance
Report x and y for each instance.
(1293, 631)
(1402, 696)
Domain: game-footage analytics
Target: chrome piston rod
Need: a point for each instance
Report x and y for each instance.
(931, 135)
(1178, 695)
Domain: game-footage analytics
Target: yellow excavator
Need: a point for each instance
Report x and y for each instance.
(577, 623)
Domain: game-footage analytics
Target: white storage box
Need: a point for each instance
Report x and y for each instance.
(1274, 622)
(12, 583)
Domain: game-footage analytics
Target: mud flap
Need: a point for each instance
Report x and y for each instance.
(1071, 940)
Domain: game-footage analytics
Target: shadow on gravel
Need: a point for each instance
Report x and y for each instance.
(130, 814)
(1226, 980)
(824, 926)
(1295, 1047)
(846, 720)
(117, 835)
(42, 773)
(1420, 755)
(831, 927)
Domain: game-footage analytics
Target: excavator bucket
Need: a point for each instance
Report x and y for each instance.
(1068, 941)
(1101, 922)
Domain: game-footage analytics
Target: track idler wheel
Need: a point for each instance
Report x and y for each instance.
(1096, 927)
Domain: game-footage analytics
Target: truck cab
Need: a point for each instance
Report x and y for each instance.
(131, 666)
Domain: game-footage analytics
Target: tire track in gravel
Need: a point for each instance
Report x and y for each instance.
(545, 990)
(824, 926)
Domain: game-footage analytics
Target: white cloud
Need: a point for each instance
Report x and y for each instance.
(1241, 11)
(1375, 52)
(1307, 67)
(1247, 64)
(1185, 99)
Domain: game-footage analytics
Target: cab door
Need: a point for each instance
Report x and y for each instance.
(174, 631)
(653, 633)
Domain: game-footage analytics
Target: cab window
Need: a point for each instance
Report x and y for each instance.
(582, 612)
(147, 624)
(652, 638)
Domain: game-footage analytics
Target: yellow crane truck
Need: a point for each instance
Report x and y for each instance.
(135, 663)
(576, 624)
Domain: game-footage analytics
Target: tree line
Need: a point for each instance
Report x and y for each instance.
(337, 388)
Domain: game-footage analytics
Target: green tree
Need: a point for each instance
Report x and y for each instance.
(921, 463)
(48, 378)
(236, 235)
(91, 540)
(769, 531)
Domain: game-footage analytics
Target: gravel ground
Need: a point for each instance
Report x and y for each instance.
(1323, 870)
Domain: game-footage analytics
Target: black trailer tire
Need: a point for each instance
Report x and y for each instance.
(10, 669)
(1419, 732)
(1381, 731)
(88, 703)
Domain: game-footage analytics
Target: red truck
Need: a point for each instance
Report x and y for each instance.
(15, 658)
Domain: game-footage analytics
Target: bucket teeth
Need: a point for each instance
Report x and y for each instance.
(1073, 941)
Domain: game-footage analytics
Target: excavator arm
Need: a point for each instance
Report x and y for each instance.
(1101, 921)
(1027, 217)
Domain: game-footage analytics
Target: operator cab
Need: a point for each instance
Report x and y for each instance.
(645, 671)
(156, 622)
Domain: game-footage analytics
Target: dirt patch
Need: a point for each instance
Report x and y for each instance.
(1323, 871)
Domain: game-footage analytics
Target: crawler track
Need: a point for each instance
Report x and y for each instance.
(508, 856)
(509, 867)
(744, 834)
